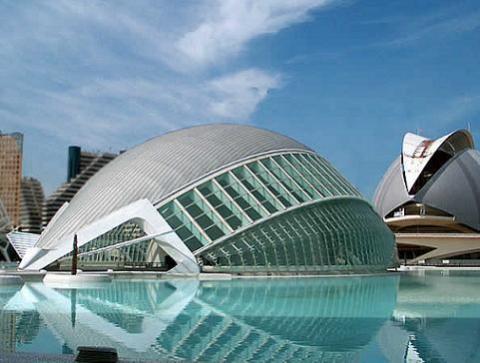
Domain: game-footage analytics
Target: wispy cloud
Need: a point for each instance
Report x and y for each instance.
(104, 67)
(236, 96)
(232, 24)
(437, 25)
(104, 74)
(106, 111)
(457, 113)
(446, 115)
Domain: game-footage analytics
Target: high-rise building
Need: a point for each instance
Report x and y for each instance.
(11, 147)
(31, 204)
(82, 166)
(6, 252)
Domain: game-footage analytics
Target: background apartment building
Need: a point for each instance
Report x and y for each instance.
(11, 148)
(31, 206)
(82, 166)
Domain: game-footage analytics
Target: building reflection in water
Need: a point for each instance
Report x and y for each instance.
(16, 327)
(437, 319)
(409, 318)
(257, 320)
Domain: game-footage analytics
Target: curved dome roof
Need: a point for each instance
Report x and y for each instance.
(391, 192)
(454, 186)
(162, 166)
(455, 189)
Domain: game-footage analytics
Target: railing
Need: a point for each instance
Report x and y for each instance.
(451, 263)
(117, 265)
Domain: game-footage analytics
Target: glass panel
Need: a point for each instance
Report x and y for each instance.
(295, 173)
(326, 187)
(240, 195)
(177, 220)
(350, 189)
(258, 190)
(285, 180)
(272, 185)
(227, 207)
(204, 215)
(326, 169)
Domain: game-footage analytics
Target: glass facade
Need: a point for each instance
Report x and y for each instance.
(282, 212)
(336, 235)
(119, 248)
(249, 193)
(287, 212)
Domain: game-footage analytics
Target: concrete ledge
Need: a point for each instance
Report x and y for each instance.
(32, 276)
(6, 357)
(214, 276)
(21, 357)
(9, 280)
(404, 268)
(65, 280)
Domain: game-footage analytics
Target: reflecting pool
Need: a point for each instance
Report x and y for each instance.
(429, 317)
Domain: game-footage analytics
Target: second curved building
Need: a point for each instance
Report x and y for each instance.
(218, 198)
(430, 197)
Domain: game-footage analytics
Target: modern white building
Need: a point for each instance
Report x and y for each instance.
(430, 198)
(217, 198)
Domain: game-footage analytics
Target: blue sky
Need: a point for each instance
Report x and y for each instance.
(347, 78)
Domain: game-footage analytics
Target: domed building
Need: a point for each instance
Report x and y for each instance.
(217, 197)
(430, 198)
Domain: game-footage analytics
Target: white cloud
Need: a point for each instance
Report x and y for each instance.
(105, 111)
(431, 27)
(105, 74)
(455, 112)
(231, 24)
(236, 96)
(103, 67)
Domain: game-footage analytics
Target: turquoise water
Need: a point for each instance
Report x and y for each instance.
(431, 317)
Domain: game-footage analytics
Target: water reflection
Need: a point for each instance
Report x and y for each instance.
(437, 318)
(16, 327)
(413, 318)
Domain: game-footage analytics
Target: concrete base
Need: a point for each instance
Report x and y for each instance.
(65, 280)
(445, 245)
(214, 276)
(10, 280)
(404, 268)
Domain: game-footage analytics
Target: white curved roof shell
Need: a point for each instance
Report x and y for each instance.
(453, 188)
(417, 151)
(162, 166)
